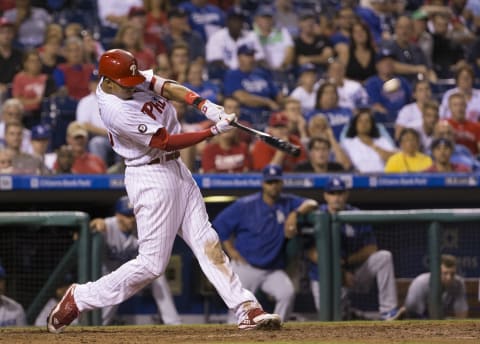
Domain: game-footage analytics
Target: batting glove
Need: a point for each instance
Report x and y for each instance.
(221, 126)
(213, 111)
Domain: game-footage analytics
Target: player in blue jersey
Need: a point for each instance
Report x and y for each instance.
(362, 261)
(253, 231)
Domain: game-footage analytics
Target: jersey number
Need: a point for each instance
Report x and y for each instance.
(149, 107)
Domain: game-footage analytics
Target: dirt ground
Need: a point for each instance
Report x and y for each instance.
(405, 332)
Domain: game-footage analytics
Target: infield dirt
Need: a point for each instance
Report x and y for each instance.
(405, 332)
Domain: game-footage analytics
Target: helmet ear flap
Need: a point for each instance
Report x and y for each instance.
(121, 67)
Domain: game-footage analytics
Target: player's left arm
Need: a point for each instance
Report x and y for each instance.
(305, 207)
(172, 90)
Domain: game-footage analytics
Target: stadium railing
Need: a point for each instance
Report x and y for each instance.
(327, 234)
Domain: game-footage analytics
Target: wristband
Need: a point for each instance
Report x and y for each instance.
(191, 98)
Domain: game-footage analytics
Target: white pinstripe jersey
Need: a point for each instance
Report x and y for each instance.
(131, 123)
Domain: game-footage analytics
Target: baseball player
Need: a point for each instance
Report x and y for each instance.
(260, 224)
(11, 312)
(362, 261)
(454, 299)
(121, 245)
(143, 128)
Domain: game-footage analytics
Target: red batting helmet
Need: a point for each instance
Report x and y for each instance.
(120, 66)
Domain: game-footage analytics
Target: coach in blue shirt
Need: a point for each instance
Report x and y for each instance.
(254, 230)
(362, 261)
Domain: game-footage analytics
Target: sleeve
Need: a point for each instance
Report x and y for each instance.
(227, 221)
(382, 142)
(259, 52)
(392, 165)
(368, 235)
(295, 201)
(402, 118)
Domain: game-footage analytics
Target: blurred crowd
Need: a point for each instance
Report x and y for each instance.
(366, 86)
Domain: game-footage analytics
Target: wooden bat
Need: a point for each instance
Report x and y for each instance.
(269, 139)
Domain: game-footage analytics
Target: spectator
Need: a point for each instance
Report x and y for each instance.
(465, 78)
(179, 32)
(179, 62)
(327, 105)
(263, 154)
(367, 150)
(410, 115)
(409, 159)
(467, 132)
(65, 160)
(30, 23)
(297, 125)
(23, 163)
(50, 53)
(306, 91)
(351, 93)
(88, 115)
(204, 18)
(461, 154)
(253, 231)
(421, 36)
(73, 76)
(447, 55)
(10, 58)
(12, 111)
(40, 139)
(286, 17)
(454, 298)
(130, 37)
(6, 161)
(318, 126)
(387, 93)
(318, 162)
(410, 62)
(113, 13)
(442, 150)
(84, 162)
(11, 312)
(137, 16)
(93, 47)
(359, 55)
(222, 49)
(252, 87)
(276, 42)
(361, 260)
(156, 16)
(344, 20)
(311, 47)
(226, 154)
(429, 120)
(121, 245)
(30, 86)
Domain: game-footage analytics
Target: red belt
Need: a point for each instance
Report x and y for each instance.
(164, 158)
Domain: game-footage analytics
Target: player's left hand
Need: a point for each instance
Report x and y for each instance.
(214, 112)
(221, 126)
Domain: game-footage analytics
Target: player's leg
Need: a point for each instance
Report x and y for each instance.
(164, 300)
(198, 233)
(380, 266)
(158, 219)
(280, 286)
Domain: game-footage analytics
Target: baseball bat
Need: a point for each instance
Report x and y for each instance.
(269, 139)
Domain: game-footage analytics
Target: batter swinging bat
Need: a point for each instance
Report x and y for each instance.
(271, 140)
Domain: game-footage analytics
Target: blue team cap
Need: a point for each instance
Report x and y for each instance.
(335, 184)
(264, 11)
(124, 207)
(41, 132)
(3, 274)
(272, 172)
(245, 49)
(383, 54)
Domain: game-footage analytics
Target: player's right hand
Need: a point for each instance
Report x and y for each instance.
(98, 225)
(221, 126)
